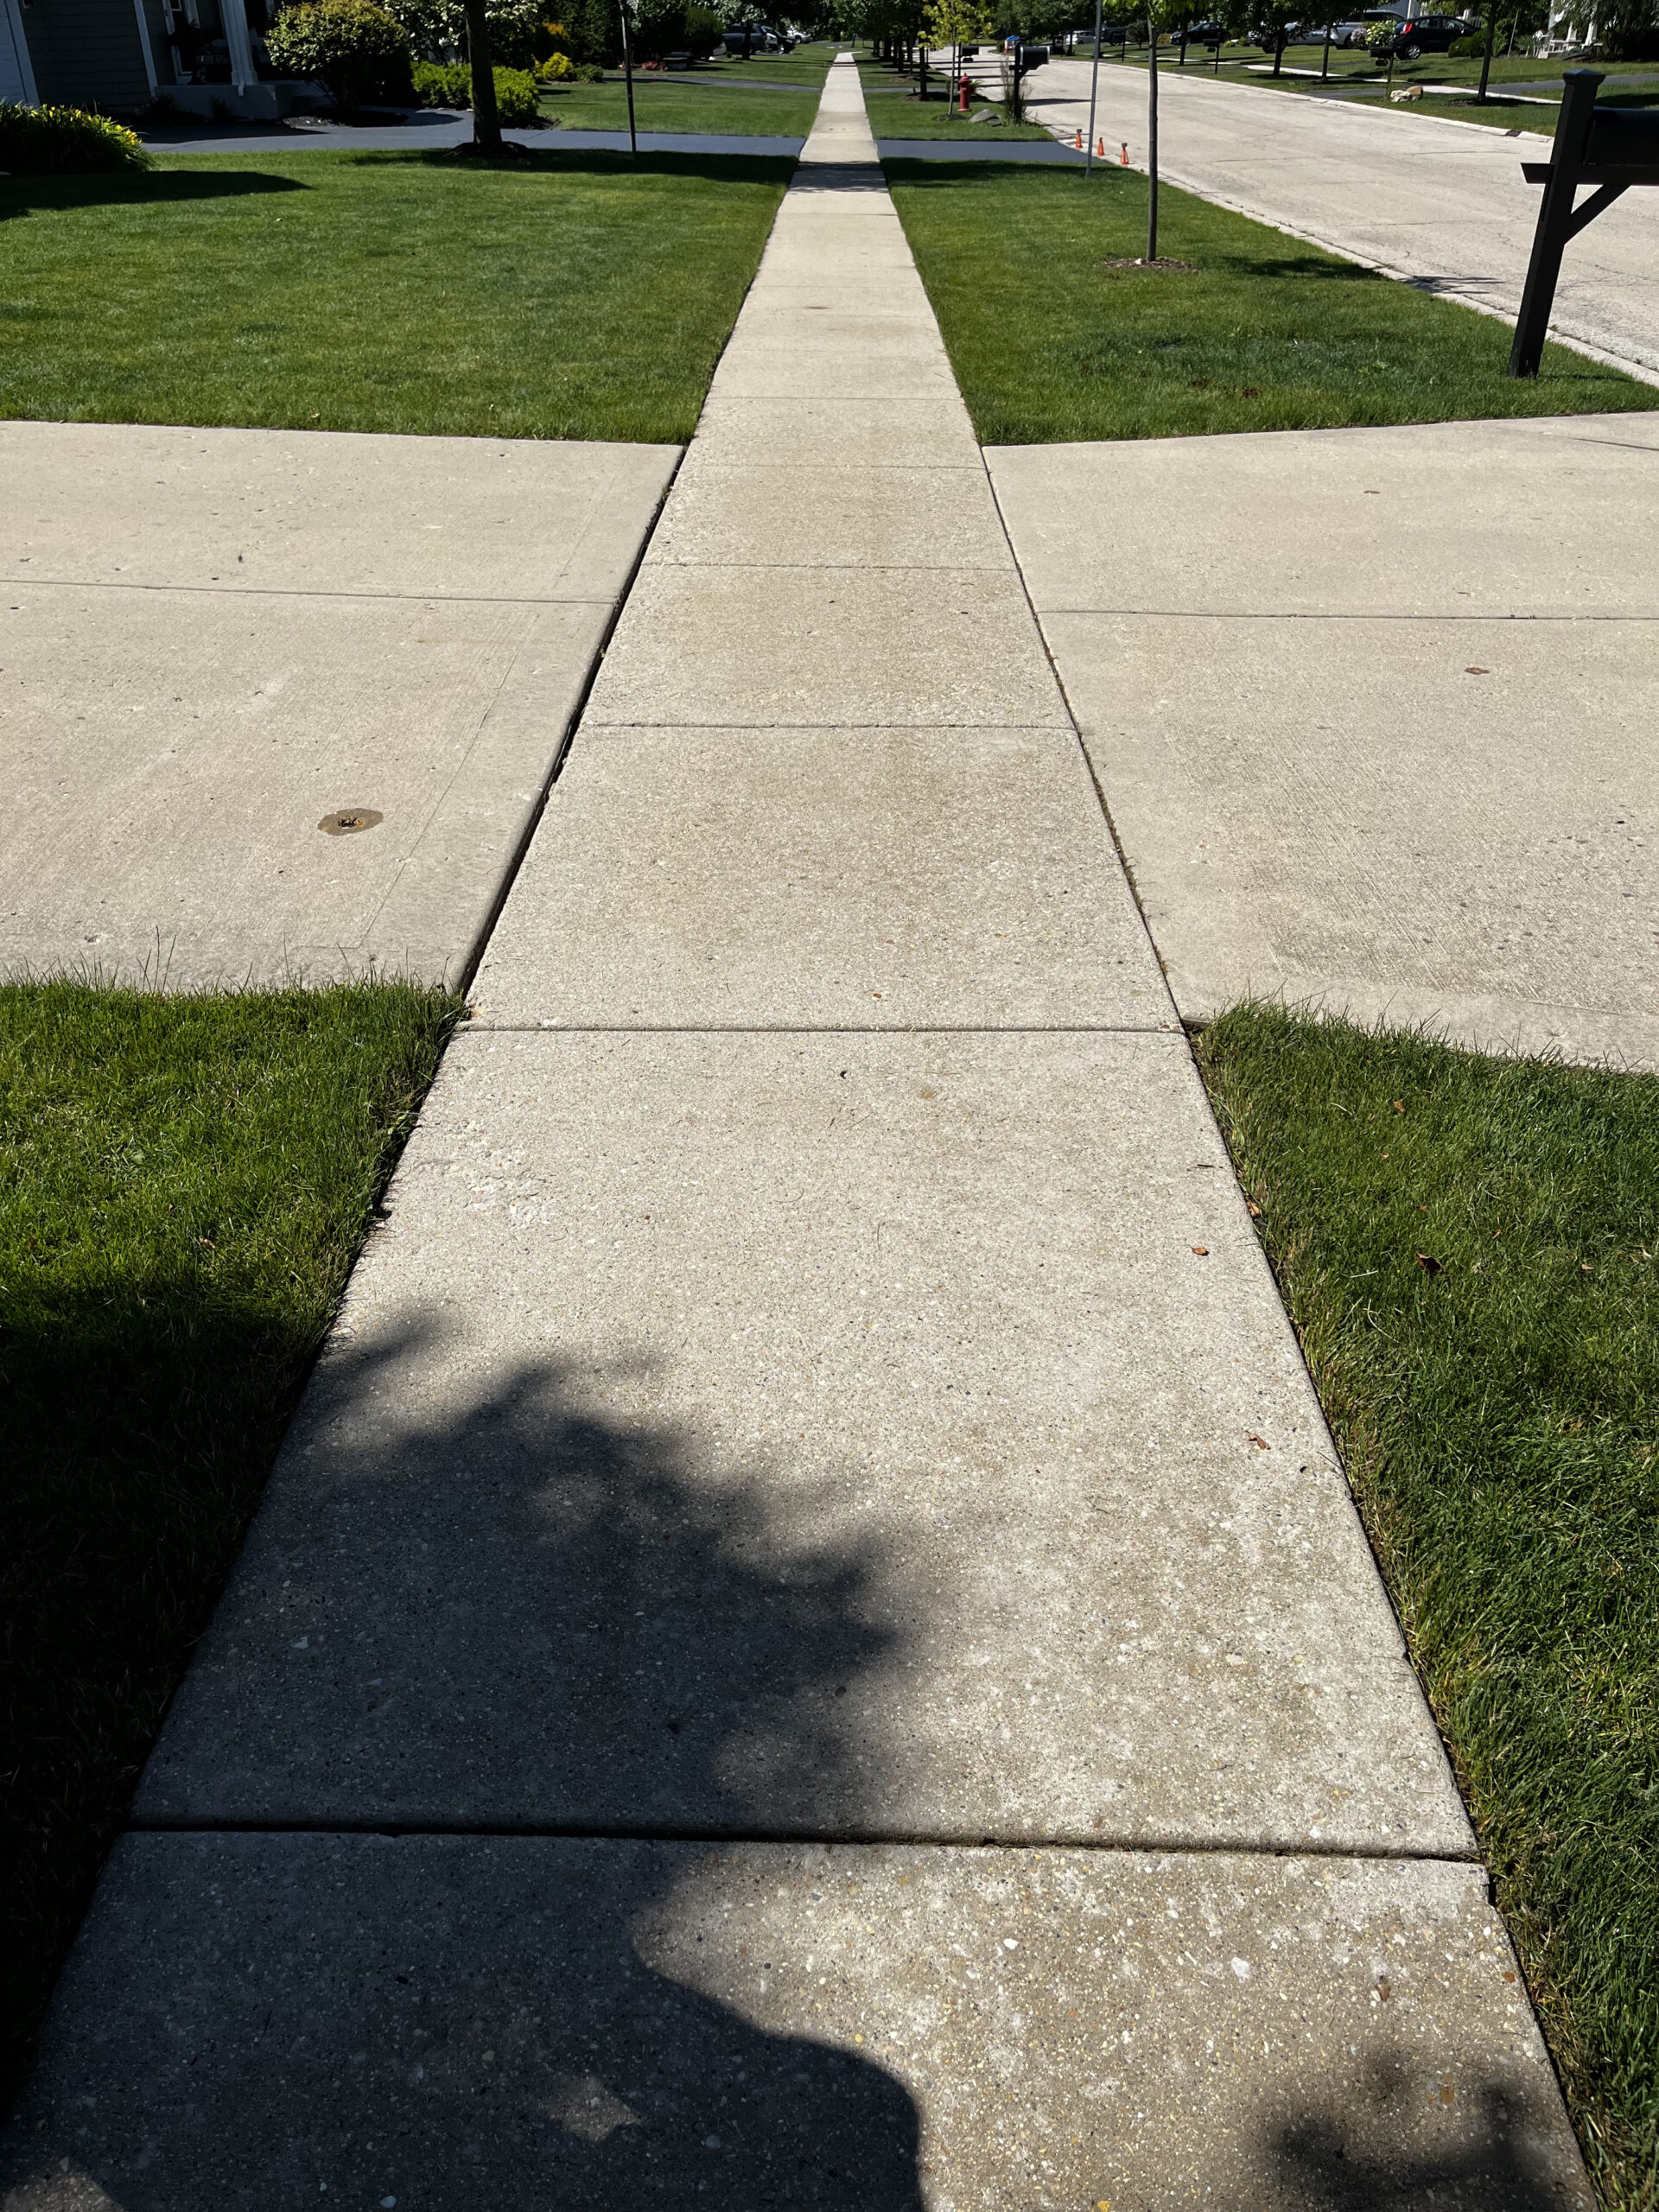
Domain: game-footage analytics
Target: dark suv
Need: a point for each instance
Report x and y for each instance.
(1423, 35)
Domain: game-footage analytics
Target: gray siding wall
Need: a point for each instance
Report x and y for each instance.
(86, 53)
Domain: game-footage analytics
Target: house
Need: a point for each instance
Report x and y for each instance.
(206, 56)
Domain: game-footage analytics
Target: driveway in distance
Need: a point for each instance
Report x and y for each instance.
(1372, 710)
(1442, 204)
(283, 702)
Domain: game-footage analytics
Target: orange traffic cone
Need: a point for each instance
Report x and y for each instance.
(1123, 157)
(1077, 141)
(1099, 149)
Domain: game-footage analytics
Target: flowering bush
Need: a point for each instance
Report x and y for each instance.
(65, 141)
(351, 47)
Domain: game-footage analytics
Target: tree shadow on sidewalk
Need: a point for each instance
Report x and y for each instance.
(511, 1597)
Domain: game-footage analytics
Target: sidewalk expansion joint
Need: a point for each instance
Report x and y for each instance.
(1311, 614)
(474, 1028)
(849, 1838)
(315, 591)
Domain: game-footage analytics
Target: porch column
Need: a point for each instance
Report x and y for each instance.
(233, 20)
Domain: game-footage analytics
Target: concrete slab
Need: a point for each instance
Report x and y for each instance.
(822, 879)
(99, 502)
(1406, 839)
(755, 516)
(1557, 515)
(917, 433)
(170, 757)
(777, 372)
(518, 2021)
(811, 648)
(713, 1399)
(212, 639)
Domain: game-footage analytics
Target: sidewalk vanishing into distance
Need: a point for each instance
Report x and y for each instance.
(1442, 204)
(808, 1646)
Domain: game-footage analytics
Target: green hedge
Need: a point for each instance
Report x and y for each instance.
(353, 48)
(449, 84)
(65, 141)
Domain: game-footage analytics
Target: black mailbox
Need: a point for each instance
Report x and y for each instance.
(1609, 148)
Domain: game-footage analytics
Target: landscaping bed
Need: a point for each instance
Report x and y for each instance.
(555, 295)
(184, 1184)
(1468, 1248)
(1054, 334)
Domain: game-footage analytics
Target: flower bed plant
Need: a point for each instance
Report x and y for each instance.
(65, 141)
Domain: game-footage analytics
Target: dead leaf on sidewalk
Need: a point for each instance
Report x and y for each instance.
(1260, 1442)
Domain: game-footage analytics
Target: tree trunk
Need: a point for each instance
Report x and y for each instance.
(486, 124)
(1492, 40)
(1278, 54)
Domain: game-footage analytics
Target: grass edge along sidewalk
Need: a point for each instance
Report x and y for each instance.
(185, 1183)
(561, 295)
(1468, 1248)
(1056, 332)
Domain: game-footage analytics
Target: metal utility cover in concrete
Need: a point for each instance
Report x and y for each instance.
(210, 640)
(1370, 710)
(359, 2020)
(709, 1400)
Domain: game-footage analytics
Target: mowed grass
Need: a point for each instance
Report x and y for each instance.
(1049, 340)
(896, 112)
(686, 103)
(184, 1184)
(564, 296)
(1470, 1250)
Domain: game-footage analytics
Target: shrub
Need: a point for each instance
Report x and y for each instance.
(65, 141)
(558, 68)
(1468, 49)
(449, 84)
(354, 48)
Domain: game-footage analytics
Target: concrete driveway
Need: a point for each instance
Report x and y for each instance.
(1373, 712)
(276, 703)
(1443, 204)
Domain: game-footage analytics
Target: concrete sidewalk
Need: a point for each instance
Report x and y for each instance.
(217, 647)
(808, 1646)
(1442, 204)
(1372, 711)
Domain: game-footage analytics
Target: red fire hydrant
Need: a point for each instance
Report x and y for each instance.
(964, 91)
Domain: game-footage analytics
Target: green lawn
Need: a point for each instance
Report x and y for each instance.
(1495, 114)
(1049, 341)
(896, 112)
(1469, 1249)
(569, 296)
(696, 103)
(184, 1184)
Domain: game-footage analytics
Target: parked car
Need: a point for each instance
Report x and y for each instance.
(1422, 34)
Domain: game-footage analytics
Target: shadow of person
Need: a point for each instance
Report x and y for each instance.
(1366, 2149)
(424, 1901)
